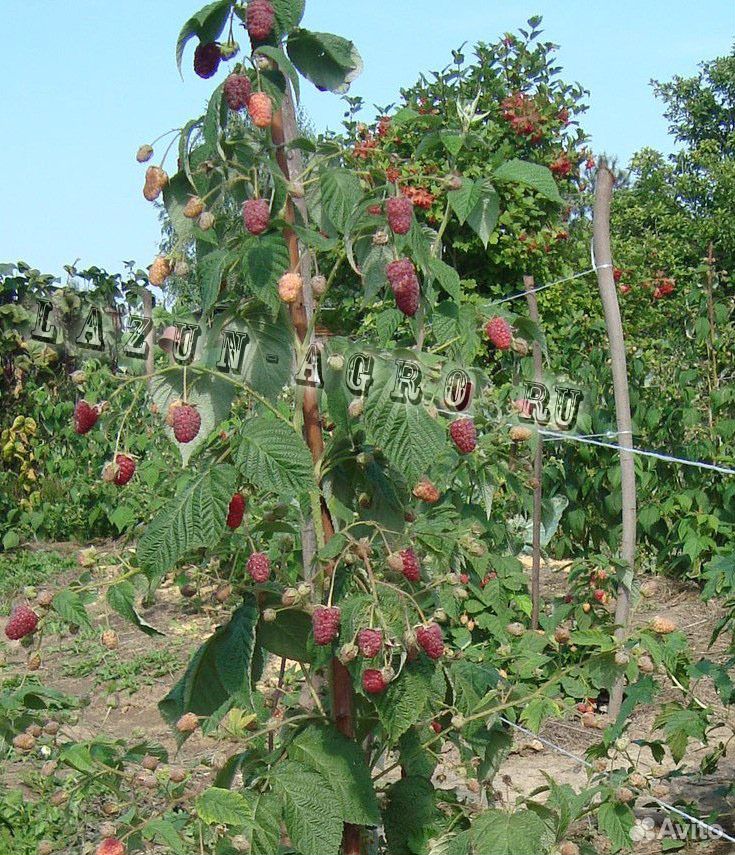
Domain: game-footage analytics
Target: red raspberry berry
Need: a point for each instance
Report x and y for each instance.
(206, 59)
(373, 681)
(259, 567)
(499, 332)
(436, 727)
(464, 435)
(236, 511)
(561, 166)
(111, 846)
(430, 638)
(85, 417)
(392, 175)
(325, 622)
(186, 422)
(617, 274)
(124, 469)
(405, 285)
(237, 91)
(22, 621)
(259, 19)
(411, 566)
(464, 578)
(599, 595)
(400, 214)
(260, 109)
(369, 642)
(256, 214)
(374, 210)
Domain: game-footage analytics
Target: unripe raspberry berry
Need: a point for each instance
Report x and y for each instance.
(645, 663)
(206, 221)
(155, 180)
(400, 214)
(181, 268)
(206, 59)
(228, 50)
(561, 635)
(520, 433)
(662, 625)
(426, 491)
(259, 19)
(290, 597)
(260, 109)
(177, 774)
(236, 511)
(85, 417)
(369, 642)
(405, 285)
(22, 622)
(108, 829)
(259, 567)
(159, 271)
(110, 846)
(223, 593)
(45, 847)
(318, 285)
(410, 568)
(520, 346)
(188, 723)
(516, 629)
(431, 640)
(336, 362)
(373, 682)
(51, 727)
(380, 237)
(269, 615)
(499, 331)
(144, 153)
(325, 622)
(436, 727)
(355, 407)
(186, 422)
(237, 90)
(149, 762)
(464, 435)
(109, 639)
(256, 214)
(193, 207)
(347, 653)
(289, 287)
(568, 848)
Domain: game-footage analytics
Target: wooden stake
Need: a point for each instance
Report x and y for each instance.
(613, 323)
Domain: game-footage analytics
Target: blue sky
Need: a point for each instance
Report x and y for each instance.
(86, 82)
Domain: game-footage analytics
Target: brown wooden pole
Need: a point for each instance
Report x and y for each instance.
(538, 466)
(614, 325)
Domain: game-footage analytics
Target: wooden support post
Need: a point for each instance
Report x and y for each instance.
(613, 323)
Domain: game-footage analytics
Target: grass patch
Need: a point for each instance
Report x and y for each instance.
(25, 568)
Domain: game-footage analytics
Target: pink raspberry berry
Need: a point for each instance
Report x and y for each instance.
(186, 422)
(236, 511)
(325, 622)
(431, 640)
(124, 469)
(259, 567)
(85, 417)
(256, 214)
(259, 19)
(405, 285)
(464, 435)
(411, 567)
(369, 642)
(22, 621)
(237, 91)
(499, 332)
(400, 214)
(373, 681)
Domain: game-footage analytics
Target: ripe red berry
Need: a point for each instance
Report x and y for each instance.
(411, 567)
(325, 622)
(259, 19)
(186, 422)
(124, 469)
(617, 274)
(369, 642)
(373, 681)
(206, 59)
(237, 91)
(22, 621)
(599, 595)
(236, 511)
(464, 578)
(110, 846)
(259, 567)
(400, 214)
(374, 210)
(464, 435)
(436, 727)
(431, 640)
(256, 214)
(85, 417)
(499, 331)
(405, 285)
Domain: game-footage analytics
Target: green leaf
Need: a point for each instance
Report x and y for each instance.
(121, 598)
(409, 815)
(340, 193)
(288, 14)
(288, 635)
(447, 277)
(265, 837)
(329, 61)
(264, 260)
(209, 272)
(342, 762)
(207, 24)
(537, 711)
(164, 832)
(218, 670)
(68, 604)
(404, 701)
(464, 200)
(217, 806)
(273, 456)
(175, 196)
(194, 518)
(285, 66)
(386, 323)
(504, 833)
(11, 539)
(532, 175)
(615, 821)
(483, 218)
(310, 809)
(452, 142)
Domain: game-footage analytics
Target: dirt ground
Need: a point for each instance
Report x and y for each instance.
(130, 708)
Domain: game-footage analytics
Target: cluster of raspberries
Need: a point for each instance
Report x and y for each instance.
(405, 285)
(521, 113)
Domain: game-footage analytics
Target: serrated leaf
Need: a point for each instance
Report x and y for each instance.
(264, 260)
(447, 277)
(452, 142)
(218, 670)
(410, 813)
(329, 61)
(265, 837)
(615, 820)
(194, 518)
(273, 456)
(175, 196)
(532, 175)
(68, 605)
(340, 193)
(207, 24)
(310, 809)
(121, 598)
(217, 806)
(483, 218)
(164, 832)
(288, 635)
(342, 762)
(404, 701)
(284, 64)
(505, 833)
(464, 200)
(209, 273)
(386, 323)
(537, 711)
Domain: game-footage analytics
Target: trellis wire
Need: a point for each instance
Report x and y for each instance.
(551, 284)
(715, 831)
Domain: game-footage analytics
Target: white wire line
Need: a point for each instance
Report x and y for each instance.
(716, 831)
(551, 284)
(668, 458)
